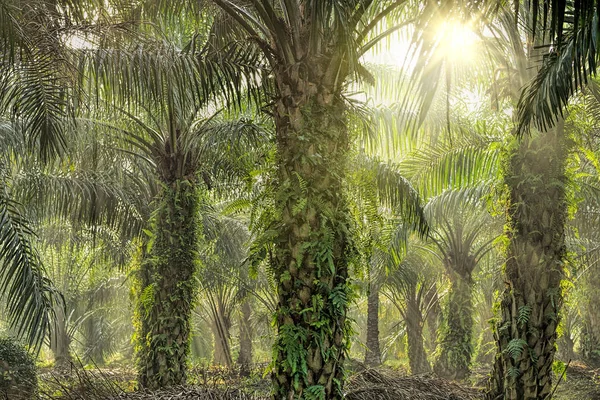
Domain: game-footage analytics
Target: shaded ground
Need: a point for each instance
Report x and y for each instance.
(580, 383)
(384, 384)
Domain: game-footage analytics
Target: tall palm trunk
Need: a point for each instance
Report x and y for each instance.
(373, 352)
(433, 316)
(311, 238)
(417, 358)
(455, 340)
(220, 327)
(486, 344)
(590, 334)
(60, 342)
(170, 287)
(537, 209)
(244, 360)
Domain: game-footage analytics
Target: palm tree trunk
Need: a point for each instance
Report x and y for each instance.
(244, 360)
(222, 353)
(590, 344)
(590, 335)
(373, 352)
(417, 357)
(537, 210)
(170, 291)
(59, 340)
(485, 355)
(433, 316)
(311, 239)
(456, 345)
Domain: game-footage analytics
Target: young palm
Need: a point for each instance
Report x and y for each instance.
(462, 231)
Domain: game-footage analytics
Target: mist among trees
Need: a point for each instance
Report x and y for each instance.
(299, 199)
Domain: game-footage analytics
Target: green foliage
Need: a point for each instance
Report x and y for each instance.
(559, 368)
(524, 314)
(18, 374)
(515, 348)
(169, 286)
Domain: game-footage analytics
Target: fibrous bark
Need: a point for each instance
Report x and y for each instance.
(417, 357)
(454, 361)
(169, 286)
(311, 236)
(529, 306)
(373, 351)
(244, 360)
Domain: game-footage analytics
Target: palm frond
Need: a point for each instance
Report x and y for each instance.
(29, 295)
(564, 71)
(397, 193)
(462, 163)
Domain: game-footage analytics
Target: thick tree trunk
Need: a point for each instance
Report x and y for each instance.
(417, 357)
(311, 238)
(454, 361)
(170, 289)
(526, 330)
(244, 360)
(373, 352)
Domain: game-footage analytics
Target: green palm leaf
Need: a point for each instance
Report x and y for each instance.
(29, 295)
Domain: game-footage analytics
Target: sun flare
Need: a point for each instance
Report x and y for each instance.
(457, 41)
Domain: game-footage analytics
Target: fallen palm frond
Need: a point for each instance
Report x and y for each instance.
(382, 384)
(220, 384)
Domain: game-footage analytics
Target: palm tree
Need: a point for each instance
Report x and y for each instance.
(409, 287)
(463, 233)
(312, 48)
(380, 196)
(166, 122)
(30, 105)
(534, 175)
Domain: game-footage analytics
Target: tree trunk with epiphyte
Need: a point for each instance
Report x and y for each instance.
(169, 286)
(525, 331)
(311, 236)
(373, 351)
(455, 341)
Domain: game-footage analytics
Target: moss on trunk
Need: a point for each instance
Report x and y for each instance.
(170, 288)
(311, 243)
(456, 347)
(525, 331)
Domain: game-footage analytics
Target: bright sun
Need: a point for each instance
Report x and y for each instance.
(457, 42)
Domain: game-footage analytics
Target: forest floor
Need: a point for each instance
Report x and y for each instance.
(579, 383)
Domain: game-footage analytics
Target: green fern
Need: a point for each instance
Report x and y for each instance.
(524, 315)
(515, 348)
(514, 372)
(315, 392)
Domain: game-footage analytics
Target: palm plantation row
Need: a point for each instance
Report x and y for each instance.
(220, 143)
